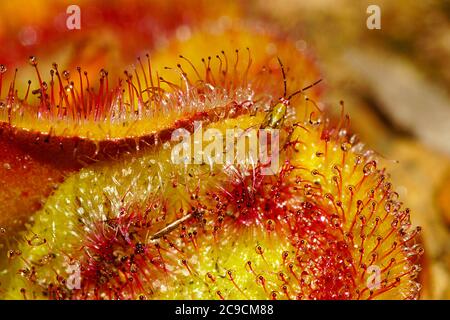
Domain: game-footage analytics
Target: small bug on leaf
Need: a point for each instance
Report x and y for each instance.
(276, 115)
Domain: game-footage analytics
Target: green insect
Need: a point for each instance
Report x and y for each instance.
(276, 115)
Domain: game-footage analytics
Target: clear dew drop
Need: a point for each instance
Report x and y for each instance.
(335, 221)
(346, 146)
(11, 254)
(306, 278)
(66, 74)
(33, 60)
(36, 241)
(370, 168)
(342, 133)
(3, 68)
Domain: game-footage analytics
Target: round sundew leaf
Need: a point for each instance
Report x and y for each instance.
(305, 234)
(63, 139)
(103, 192)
